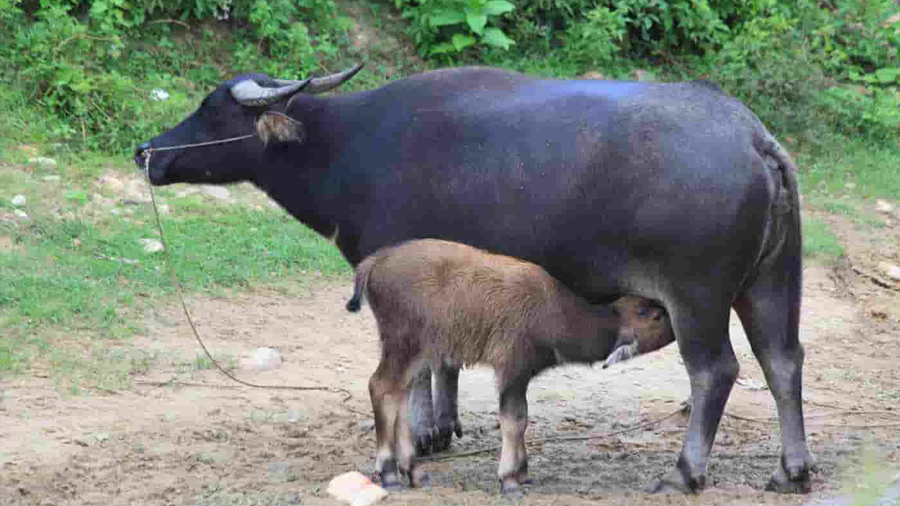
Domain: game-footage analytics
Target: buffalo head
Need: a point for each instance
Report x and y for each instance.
(247, 106)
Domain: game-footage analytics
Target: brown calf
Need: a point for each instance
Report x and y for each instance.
(444, 304)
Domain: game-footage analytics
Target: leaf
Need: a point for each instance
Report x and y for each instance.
(476, 21)
(495, 37)
(497, 7)
(442, 48)
(887, 75)
(462, 41)
(446, 17)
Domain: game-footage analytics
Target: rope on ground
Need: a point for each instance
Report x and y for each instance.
(438, 458)
(187, 314)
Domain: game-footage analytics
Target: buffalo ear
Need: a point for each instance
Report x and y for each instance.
(280, 128)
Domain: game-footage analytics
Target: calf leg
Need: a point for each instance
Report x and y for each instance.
(386, 399)
(770, 312)
(702, 333)
(446, 385)
(513, 469)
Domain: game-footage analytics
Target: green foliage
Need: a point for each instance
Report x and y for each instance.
(442, 27)
(596, 41)
(85, 62)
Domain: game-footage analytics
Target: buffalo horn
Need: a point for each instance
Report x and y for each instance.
(323, 84)
(248, 92)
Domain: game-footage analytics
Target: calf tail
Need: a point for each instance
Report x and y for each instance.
(360, 283)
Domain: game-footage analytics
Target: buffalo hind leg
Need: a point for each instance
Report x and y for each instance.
(702, 333)
(513, 468)
(770, 311)
(446, 386)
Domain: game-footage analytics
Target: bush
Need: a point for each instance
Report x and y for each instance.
(92, 64)
(443, 27)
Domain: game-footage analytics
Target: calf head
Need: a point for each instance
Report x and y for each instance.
(645, 328)
(248, 105)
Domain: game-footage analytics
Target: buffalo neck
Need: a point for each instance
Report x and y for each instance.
(310, 181)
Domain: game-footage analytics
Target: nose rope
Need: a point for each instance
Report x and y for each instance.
(146, 154)
(196, 145)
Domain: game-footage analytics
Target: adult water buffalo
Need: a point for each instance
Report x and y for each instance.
(673, 192)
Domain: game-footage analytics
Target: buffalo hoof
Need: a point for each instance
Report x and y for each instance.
(792, 481)
(444, 436)
(676, 483)
(425, 442)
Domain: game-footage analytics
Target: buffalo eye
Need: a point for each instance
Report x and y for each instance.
(643, 311)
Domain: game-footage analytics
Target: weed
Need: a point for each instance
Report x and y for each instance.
(818, 240)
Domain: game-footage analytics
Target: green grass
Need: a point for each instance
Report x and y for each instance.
(76, 267)
(818, 240)
(862, 168)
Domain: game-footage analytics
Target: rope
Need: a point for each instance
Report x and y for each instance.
(439, 458)
(180, 291)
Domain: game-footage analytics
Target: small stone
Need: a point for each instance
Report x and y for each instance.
(366, 426)
(356, 489)
(263, 359)
(883, 206)
(593, 74)
(51, 179)
(18, 200)
(159, 94)
(101, 437)
(41, 160)
(20, 214)
(76, 242)
(642, 75)
(751, 384)
(850, 186)
(219, 192)
(151, 245)
(163, 209)
(890, 270)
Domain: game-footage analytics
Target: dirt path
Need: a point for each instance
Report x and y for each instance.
(209, 441)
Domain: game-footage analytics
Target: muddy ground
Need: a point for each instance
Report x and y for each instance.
(191, 436)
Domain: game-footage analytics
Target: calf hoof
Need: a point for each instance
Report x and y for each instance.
(389, 477)
(792, 479)
(512, 489)
(444, 436)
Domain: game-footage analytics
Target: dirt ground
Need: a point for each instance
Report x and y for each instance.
(204, 440)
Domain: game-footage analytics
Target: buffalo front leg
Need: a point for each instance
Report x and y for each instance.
(770, 313)
(421, 412)
(712, 368)
(445, 382)
(513, 468)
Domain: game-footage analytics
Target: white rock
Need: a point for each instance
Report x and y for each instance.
(219, 192)
(751, 384)
(883, 206)
(151, 245)
(263, 359)
(356, 489)
(41, 160)
(51, 179)
(20, 214)
(890, 270)
(159, 94)
(18, 200)
(163, 208)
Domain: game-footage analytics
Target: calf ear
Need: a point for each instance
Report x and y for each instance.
(273, 126)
